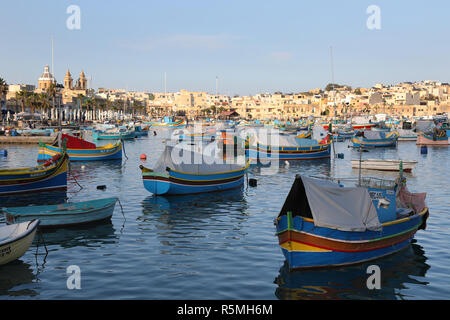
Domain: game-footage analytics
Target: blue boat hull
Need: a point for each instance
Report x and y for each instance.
(112, 153)
(175, 182)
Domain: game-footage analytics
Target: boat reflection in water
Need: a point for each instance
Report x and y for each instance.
(17, 274)
(37, 199)
(190, 214)
(350, 282)
(90, 235)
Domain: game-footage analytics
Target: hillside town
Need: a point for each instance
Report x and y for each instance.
(406, 99)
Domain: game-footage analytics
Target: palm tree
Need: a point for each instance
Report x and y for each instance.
(35, 101)
(44, 102)
(23, 96)
(3, 91)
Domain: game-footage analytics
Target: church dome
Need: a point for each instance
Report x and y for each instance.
(46, 76)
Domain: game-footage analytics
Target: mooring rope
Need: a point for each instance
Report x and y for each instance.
(121, 208)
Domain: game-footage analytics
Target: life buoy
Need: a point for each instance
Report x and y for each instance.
(52, 160)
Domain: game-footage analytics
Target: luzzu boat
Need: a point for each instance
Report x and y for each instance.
(115, 134)
(167, 122)
(192, 173)
(373, 139)
(436, 137)
(324, 224)
(52, 175)
(81, 150)
(406, 135)
(285, 148)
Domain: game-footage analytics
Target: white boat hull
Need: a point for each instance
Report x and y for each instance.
(16, 239)
(384, 165)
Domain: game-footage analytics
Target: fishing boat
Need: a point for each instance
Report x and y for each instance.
(285, 148)
(114, 134)
(435, 137)
(80, 150)
(16, 239)
(384, 165)
(373, 139)
(52, 175)
(305, 135)
(62, 215)
(141, 132)
(167, 122)
(323, 223)
(406, 135)
(249, 124)
(346, 133)
(191, 172)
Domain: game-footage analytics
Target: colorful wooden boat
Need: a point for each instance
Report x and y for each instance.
(16, 239)
(406, 135)
(373, 139)
(345, 134)
(437, 137)
(81, 150)
(167, 122)
(52, 175)
(384, 165)
(67, 214)
(363, 126)
(114, 134)
(304, 135)
(288, 148)
(169, 177)
(141, 132)
(323, 224)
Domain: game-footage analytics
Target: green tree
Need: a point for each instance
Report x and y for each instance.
(23, 97)
(3, 91)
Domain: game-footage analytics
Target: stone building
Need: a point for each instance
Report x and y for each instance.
(46, 79)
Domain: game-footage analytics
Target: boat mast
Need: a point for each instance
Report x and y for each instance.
(334, 101)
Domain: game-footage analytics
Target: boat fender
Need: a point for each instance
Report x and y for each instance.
(168, 169)
(102, 187)
(252, 182)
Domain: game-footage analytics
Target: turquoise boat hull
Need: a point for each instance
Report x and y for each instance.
(99, 135)
(68, 214)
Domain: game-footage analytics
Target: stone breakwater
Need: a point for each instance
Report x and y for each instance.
(25, 139)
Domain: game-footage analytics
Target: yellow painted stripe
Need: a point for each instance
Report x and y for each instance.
(295, 246)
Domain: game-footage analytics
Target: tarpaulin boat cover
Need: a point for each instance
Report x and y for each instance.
(335, 207)
(180, 158)
(374, 135)
(77, 143)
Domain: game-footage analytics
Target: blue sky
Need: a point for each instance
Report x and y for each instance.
(252, 46)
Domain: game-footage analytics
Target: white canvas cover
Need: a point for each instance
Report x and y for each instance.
(374, 135)
(183, 158)
(335, 207)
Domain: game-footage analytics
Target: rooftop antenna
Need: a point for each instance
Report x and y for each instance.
(217, 85)
(165, 84)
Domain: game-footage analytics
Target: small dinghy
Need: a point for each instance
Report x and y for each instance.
(385, 165)
(66, 214)
(16, 239)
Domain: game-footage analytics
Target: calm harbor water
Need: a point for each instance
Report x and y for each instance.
(220, 245)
